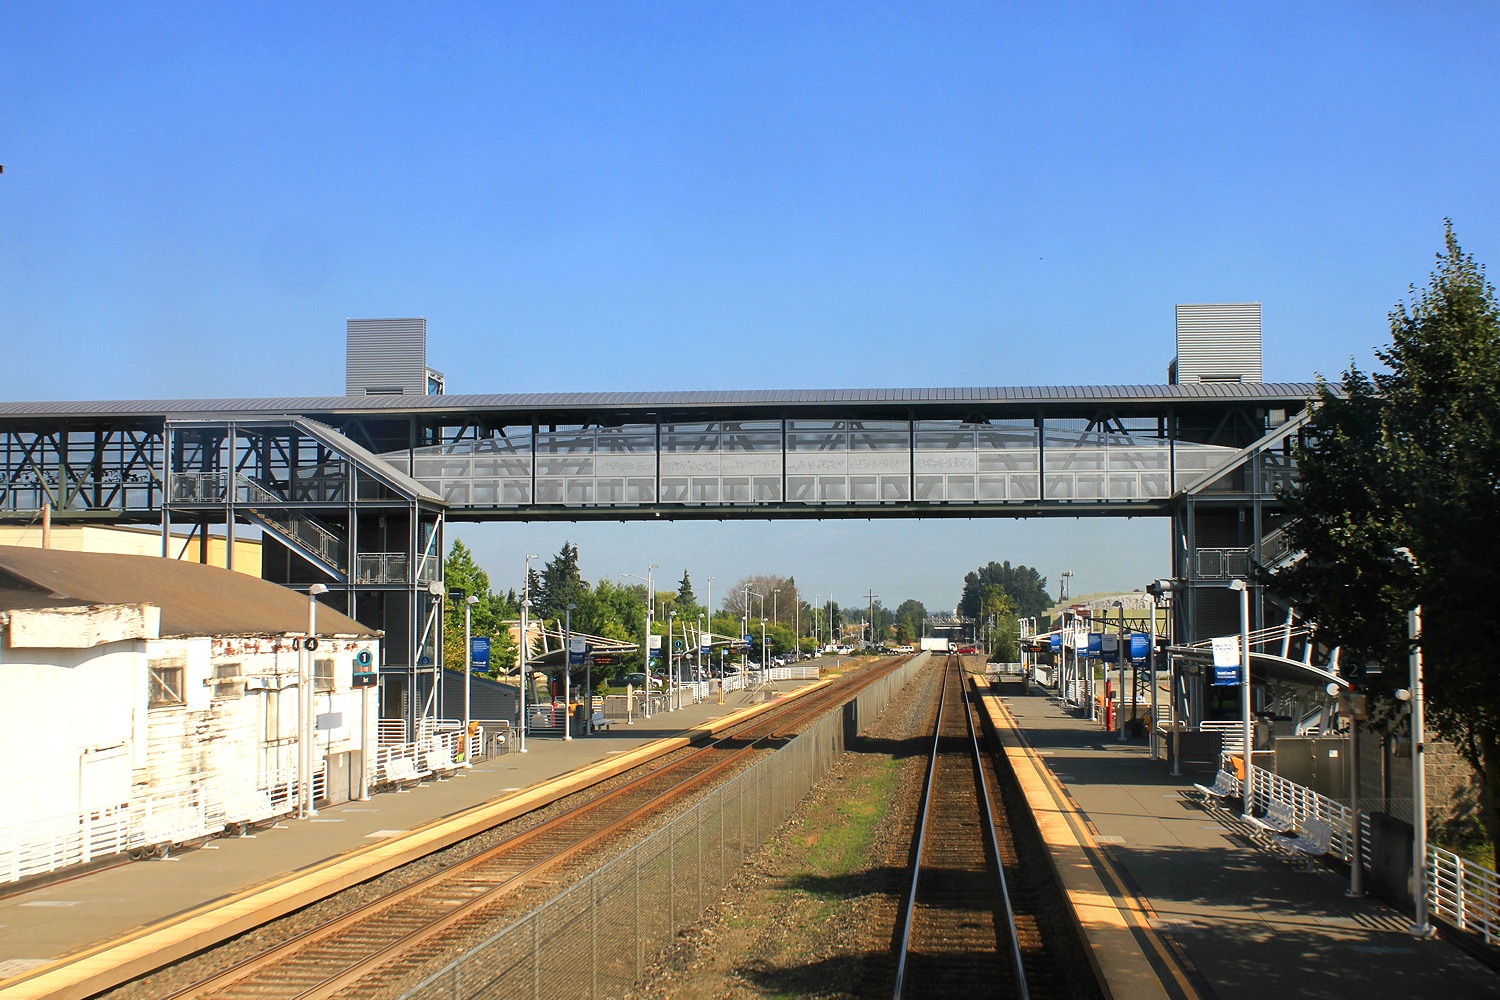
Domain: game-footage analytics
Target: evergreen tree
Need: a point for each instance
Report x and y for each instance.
(560, 583)
(1409, 459)
(686, 603)
(1027, 589)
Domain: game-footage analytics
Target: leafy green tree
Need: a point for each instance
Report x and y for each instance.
(910, 616)
(463, 576)
(1027, 589)
(1410, 458)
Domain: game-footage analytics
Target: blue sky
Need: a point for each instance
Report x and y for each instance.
(657, 196)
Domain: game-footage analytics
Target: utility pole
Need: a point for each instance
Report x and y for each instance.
(870, 614)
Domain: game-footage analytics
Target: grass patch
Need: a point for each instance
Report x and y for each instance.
(840, 848)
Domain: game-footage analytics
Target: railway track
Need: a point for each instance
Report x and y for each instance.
(957, 935)
(372, 950)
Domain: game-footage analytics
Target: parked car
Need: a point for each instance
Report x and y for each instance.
(638, 680)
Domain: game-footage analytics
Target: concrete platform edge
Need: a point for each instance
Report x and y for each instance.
(1106, 916)
(84, 973)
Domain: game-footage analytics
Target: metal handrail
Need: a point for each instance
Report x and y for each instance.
(300, 526)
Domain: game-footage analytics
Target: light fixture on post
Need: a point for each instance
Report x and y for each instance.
(469, 601)
(568, 671)
(671, 658)
(1421, 926)
(1248, 796)
(1122, 655)
(1356, 860)
(523, 653)
(646, 641)
(306, 671)
(1159, 589)
(762, 650)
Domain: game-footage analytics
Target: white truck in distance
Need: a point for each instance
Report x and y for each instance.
(934, 644)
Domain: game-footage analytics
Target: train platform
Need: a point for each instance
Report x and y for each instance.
(1178, 901)
(120, 919)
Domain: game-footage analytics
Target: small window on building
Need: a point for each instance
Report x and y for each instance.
(322, 675)
(166, 682)
(228, 681)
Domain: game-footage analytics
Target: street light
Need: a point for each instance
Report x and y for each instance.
(469, 601)
(522, 655)
(525, 651)
(306, 671)
(1244, 592)
(568, 671)
(675, 694)
(1122, 651)
(646, 642)
(1421, 926)
(762, 650)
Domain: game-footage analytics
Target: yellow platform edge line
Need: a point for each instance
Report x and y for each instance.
(1107, 920)
(102, 966)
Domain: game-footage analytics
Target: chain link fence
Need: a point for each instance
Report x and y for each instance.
(596, 938)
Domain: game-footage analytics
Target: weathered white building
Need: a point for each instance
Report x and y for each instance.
(150, 702)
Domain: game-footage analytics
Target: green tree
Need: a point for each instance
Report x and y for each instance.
(560, 583)
(463, 576)
(687, 604)
(1410, 458)
(910, 616)
(1027, 589)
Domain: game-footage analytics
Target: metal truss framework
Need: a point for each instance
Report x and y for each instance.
(356, 495)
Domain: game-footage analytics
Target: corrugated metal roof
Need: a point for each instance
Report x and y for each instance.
(1269, 392)
(195, 600)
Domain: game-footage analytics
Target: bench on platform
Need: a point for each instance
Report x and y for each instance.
(1316, 838)
(402, 771)
(1226, 786)
(1279, 819)
(600, 722)
(441, 763)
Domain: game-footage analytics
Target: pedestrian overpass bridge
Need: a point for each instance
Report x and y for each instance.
(354, 491)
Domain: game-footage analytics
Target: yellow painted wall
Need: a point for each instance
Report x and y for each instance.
(133, 541)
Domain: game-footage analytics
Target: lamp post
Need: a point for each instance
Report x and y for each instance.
(307, 670)
(568, 671)
(1244, 592)
(469, 601)
(762, 650)
(646, 641)
(675, 699)
(1421, 926)
(776, 605)
(1122, 653)
(522, 655)
(1151, 672)
(1156, 589)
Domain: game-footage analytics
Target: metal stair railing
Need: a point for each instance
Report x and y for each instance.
(1276, 550)
(310, 537)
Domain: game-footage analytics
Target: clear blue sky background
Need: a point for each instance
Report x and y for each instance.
(657, 196)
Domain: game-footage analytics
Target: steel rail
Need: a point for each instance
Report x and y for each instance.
(1006, 939)
(456, 906)
(1007, 923)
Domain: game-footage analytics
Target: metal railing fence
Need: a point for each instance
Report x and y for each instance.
(1463, 892)
(152, 823)
(596, 938)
